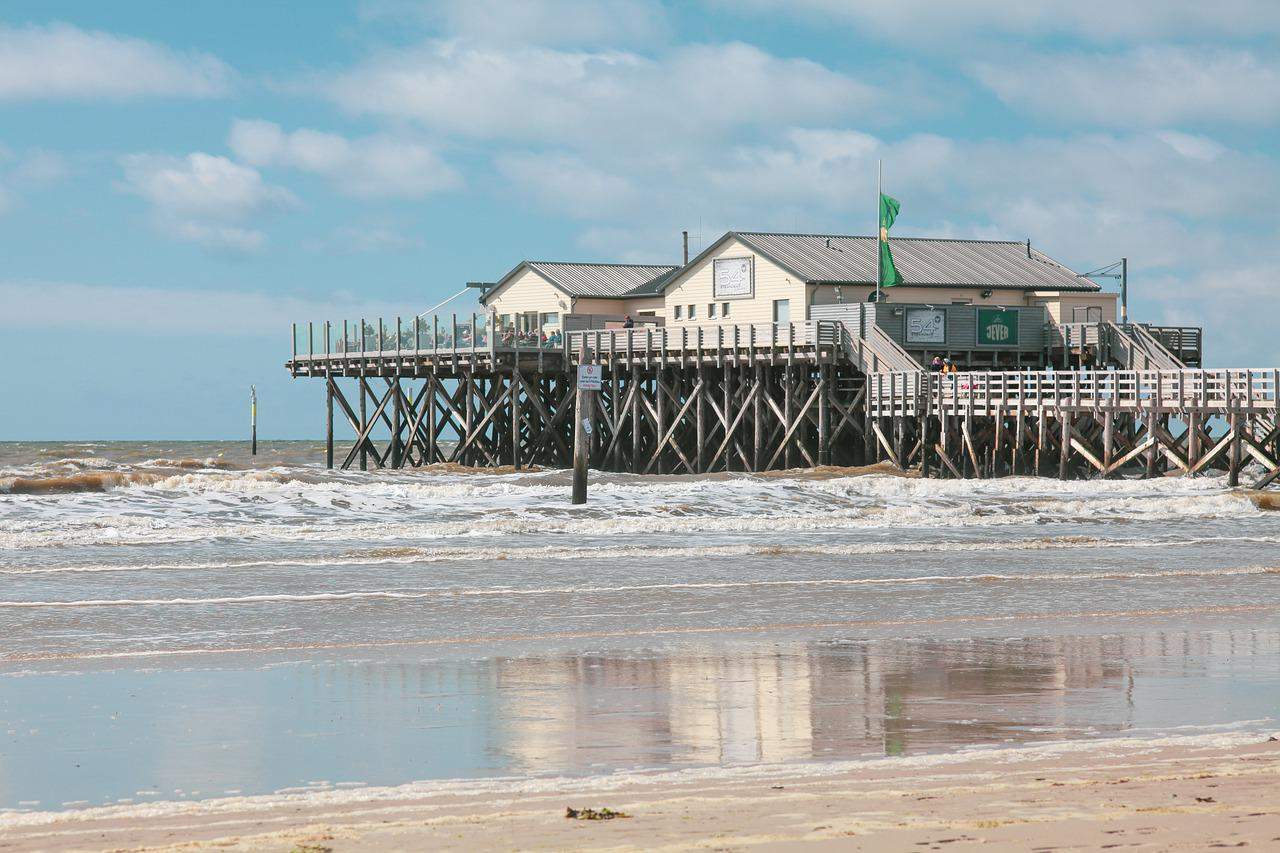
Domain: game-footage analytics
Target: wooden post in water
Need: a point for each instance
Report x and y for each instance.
(253, 421)
(584, 412)
(1233, 473)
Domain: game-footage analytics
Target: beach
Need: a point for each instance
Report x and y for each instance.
(1171, 794)
(203, 646)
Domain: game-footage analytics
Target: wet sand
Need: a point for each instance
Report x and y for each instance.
(1173, 794)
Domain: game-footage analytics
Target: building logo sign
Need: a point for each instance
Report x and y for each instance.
(997, 327)
(926, 326)
(733, 278)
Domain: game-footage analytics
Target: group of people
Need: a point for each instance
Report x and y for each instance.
(531, 338)
(943, 365)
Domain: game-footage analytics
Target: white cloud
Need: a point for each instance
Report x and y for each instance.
(368, 239)
(1157, 85)
(61, 305)
(202, 186)
(62, 61)
(34, 168)
(373, 166)
(917, 21)
(204, 199)
(581, 99)
(566, 184)
(548, 22)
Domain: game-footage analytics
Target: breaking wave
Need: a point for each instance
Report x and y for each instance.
(441, 592)
(410, 555)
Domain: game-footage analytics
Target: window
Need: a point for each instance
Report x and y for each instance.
(646, 313)
(693, 312)
(1086, 314)
(528, 321)
(550, 318)
(679, 312)
(782, 310)
(504, 321)
(724, 309)
(711, 311)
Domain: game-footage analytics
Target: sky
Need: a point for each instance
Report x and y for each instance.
(181, 181)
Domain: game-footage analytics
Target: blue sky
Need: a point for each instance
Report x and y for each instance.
(180, 181)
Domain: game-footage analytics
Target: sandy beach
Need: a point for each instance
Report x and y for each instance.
(1187, 793)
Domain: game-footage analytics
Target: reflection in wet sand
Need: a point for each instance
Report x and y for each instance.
(827, 700)
(198, 732)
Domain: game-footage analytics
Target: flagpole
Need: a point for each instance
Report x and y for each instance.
(879, 254)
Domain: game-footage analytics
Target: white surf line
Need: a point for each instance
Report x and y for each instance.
(409, 555)
(444, 592)
(478, 640)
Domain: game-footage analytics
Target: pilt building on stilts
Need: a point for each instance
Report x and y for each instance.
(770, 351)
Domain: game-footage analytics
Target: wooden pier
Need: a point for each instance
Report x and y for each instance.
(695, 399)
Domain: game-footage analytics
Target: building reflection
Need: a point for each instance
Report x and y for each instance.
(804, 701)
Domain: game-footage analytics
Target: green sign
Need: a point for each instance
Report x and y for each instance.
(997, 327)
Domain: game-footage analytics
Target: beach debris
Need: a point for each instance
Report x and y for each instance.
(776, 787)
(593, 814)
(1205, 800)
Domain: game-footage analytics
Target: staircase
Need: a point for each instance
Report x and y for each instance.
(876, 352)
(1134, 347)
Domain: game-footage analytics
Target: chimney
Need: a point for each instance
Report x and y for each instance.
(685, 234)
(1028, 247)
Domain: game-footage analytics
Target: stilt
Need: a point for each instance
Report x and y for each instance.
(824, 416)
(328, 423)
(364, 426)
(1064, 448)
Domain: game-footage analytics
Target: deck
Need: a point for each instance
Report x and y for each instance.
(420, 348)
(1210, 392)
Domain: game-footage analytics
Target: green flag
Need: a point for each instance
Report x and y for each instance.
(888, 213)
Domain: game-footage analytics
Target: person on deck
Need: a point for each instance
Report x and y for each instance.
(936, 364)
(948, 366)
(627, 322)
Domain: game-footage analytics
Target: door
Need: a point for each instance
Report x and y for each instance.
(782, 310)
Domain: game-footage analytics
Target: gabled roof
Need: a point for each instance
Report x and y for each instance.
(606, 281)
(922, 262)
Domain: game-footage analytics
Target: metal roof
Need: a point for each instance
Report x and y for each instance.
(605, 280)
(922, 262)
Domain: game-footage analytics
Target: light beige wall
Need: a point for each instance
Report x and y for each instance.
(528, 291)
(694, 286)
(589, 305)
(1060, 306)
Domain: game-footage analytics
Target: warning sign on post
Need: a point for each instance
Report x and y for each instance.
(589, 376)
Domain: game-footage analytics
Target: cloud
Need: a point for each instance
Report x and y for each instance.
(370, 167)
(61, 305)
(929, 21)
(566, 184)
(366, 239)
(203, 198)
(202, 186)
(546, 22)
(582, 99)
(62, 61)
(35, 168)
(1151, 86)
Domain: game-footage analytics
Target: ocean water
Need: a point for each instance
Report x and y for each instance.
(180, 620)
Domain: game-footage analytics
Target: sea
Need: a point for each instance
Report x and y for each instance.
(185, 621)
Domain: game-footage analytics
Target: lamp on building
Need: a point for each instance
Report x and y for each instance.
(986, 294)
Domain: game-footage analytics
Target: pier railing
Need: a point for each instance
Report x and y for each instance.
(692, 340)
(987, 393)
(479, 334)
